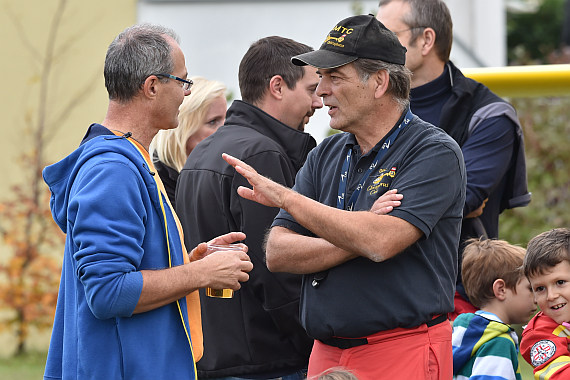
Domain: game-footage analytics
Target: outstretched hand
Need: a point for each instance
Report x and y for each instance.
(264, 190)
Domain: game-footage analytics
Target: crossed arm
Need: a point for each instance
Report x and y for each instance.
(340, 232)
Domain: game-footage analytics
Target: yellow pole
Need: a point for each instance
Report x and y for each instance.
(524, 81)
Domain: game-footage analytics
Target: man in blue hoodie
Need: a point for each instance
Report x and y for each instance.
(127, 305)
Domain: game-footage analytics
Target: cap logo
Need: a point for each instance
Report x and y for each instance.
(337, 41)
(342, 29)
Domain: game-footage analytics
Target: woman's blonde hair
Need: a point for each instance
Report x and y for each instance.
(170, 144)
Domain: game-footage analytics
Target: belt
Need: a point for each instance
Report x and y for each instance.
(344, 343)
(437, 320)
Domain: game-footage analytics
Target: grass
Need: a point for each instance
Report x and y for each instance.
(29, 366)
(526, 369)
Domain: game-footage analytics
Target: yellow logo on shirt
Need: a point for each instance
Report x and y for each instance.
(383, 181)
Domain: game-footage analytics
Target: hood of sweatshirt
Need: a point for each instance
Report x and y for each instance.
(61, 175)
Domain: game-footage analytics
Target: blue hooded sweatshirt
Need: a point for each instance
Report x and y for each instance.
(104, 197)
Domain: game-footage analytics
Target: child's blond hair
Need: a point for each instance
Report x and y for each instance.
(485, 261)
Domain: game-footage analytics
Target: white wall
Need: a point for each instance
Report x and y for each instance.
(481, 26)
(216, 34)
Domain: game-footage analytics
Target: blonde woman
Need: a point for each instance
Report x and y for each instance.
(201, 114)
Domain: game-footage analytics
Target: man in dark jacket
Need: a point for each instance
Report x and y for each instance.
(257, 333)
(484, 125)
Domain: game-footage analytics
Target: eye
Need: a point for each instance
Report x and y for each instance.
(560, 282)
(539, 289)
(213, 122)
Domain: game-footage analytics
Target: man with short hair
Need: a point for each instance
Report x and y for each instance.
(127, 306)
(376, 288)
(257, 333)
(485, 126)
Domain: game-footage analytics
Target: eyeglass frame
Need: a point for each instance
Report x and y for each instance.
(187, 83)
(409, 29)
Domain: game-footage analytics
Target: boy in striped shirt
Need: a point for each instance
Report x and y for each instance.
(484, 344)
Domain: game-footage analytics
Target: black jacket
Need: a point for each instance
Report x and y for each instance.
(470, 104)
(168, 176)
(257, 332)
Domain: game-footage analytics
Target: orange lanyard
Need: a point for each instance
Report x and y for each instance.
(192, 299)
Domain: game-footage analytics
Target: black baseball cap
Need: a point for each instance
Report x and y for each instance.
(352, 38)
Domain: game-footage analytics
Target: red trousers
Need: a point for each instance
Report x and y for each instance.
(418, 353)
(461, 306)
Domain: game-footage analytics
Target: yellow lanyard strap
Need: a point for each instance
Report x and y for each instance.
(192, 299)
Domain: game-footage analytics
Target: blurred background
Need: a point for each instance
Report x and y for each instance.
(52, 64)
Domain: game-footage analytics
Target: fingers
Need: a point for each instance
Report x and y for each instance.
(246, 193)
(236, 162)
(229, 238)
(386, 202)
(226, 269)
(241, 167)
(199, 252)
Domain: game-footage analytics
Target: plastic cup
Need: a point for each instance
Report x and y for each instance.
(222, 293)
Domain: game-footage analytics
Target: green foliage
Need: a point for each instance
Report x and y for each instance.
(546, 131)
(29, 275)
(531, 37)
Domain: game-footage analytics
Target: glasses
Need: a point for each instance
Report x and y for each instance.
(412, 28)
(186, 83)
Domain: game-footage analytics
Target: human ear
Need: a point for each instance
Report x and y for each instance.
(150, 86)
(276, 84)
(500, 289)
(429, 37)
(382, 78)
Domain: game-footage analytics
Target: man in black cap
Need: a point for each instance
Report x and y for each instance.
(376, 288)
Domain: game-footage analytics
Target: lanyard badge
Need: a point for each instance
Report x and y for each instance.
(346, 165)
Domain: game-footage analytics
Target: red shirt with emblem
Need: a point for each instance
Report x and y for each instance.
(544, 344)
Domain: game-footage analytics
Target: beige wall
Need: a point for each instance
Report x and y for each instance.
(87, 28)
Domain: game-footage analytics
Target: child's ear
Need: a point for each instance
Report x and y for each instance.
(500, 289)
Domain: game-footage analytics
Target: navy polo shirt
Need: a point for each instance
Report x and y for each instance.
(361, 297)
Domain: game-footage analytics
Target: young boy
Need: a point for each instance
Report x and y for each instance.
(545, 340)
(484, 344)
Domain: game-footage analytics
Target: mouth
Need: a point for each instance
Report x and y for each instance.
(332, 109)
(558, 307)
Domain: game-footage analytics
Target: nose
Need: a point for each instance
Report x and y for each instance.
(551, 294)
(317, 101)
(322, 88)
(187, 92)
